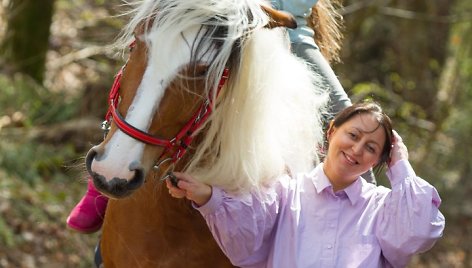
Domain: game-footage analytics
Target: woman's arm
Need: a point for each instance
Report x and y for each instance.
(241, 225)
(409, 221)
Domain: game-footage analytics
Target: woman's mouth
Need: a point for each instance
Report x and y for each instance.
(350, 160)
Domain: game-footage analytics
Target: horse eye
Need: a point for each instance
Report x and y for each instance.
(132, 45)
(200, 70)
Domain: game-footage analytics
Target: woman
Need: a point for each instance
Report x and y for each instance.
(330, 217)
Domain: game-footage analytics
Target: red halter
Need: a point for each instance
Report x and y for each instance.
(184, 137)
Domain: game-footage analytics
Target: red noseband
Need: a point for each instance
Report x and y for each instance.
(176, 146)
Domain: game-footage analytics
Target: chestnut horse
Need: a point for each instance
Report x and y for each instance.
(208, 89)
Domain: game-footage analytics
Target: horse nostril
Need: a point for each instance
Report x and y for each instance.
(89, 159)
(138, 178)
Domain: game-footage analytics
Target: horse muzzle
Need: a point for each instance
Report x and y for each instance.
(114, 187)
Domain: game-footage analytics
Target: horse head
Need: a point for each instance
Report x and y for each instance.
(177, 65)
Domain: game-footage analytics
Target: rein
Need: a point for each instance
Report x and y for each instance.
(175, 147)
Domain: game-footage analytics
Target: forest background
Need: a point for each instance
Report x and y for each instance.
(413, 56)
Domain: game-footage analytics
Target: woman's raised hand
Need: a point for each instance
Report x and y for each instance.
(399, 150)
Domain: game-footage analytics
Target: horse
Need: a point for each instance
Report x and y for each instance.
(211, 88)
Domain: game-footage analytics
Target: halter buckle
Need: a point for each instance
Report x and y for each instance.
(105, 126)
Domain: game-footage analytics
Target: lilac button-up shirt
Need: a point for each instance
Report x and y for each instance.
(301, 222)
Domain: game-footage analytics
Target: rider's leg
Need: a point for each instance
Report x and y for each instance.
(338, 99)
(87, 215)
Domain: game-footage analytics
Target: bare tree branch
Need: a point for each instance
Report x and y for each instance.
(412, 15)
(404, 14)
(356, 7)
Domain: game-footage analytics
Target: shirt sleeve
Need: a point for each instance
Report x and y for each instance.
(298, 8)
(409, 220)
(242, 225)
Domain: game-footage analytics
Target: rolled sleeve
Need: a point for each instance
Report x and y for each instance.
(212, 205)
(409, 221)
(400, 171)
(241, 224)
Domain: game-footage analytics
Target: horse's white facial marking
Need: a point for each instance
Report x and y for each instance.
(121, 150)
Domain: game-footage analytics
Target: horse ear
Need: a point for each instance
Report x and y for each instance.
(279, 18)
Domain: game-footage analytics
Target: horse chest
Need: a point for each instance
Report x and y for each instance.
(151, 229)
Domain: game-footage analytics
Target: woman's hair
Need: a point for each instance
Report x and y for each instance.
(373, 108)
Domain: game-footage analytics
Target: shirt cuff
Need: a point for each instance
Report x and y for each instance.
(401, 170)
(212, 205)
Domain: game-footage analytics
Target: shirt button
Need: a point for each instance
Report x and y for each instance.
(329, 246)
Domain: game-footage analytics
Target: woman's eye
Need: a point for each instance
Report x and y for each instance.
(352, 135)
(371, 149)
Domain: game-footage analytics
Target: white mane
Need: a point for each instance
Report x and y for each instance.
(267, 118)
(267, 122)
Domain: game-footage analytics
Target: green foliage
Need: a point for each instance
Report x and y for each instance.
(38, 187)
(6, 234)
(35, 104)
(27, 104)
(33, 162)
(34, 218)
(395, 105)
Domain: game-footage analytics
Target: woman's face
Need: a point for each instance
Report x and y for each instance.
(354, 148)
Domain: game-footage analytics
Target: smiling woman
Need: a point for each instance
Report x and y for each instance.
(329, 217)
(360, 138)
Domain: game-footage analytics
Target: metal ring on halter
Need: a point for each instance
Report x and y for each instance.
(106, 125)
(169, 174)
(203, 111)
(168, 171)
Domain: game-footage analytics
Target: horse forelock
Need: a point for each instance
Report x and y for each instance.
(225, 24)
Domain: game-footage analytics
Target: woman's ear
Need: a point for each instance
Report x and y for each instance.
(330, 130)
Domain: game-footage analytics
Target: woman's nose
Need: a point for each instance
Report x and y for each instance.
(357, 148)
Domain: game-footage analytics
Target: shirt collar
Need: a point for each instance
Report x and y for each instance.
(319, 179)
(354, 191)
(321, 182)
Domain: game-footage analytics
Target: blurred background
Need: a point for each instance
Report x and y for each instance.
(413, 56)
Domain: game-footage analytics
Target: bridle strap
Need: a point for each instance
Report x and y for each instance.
(184, 137)
(114, 96)
(135, 133)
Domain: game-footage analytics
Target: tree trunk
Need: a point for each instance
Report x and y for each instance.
(26, 39)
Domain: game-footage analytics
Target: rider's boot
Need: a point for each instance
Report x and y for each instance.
(87, 216)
